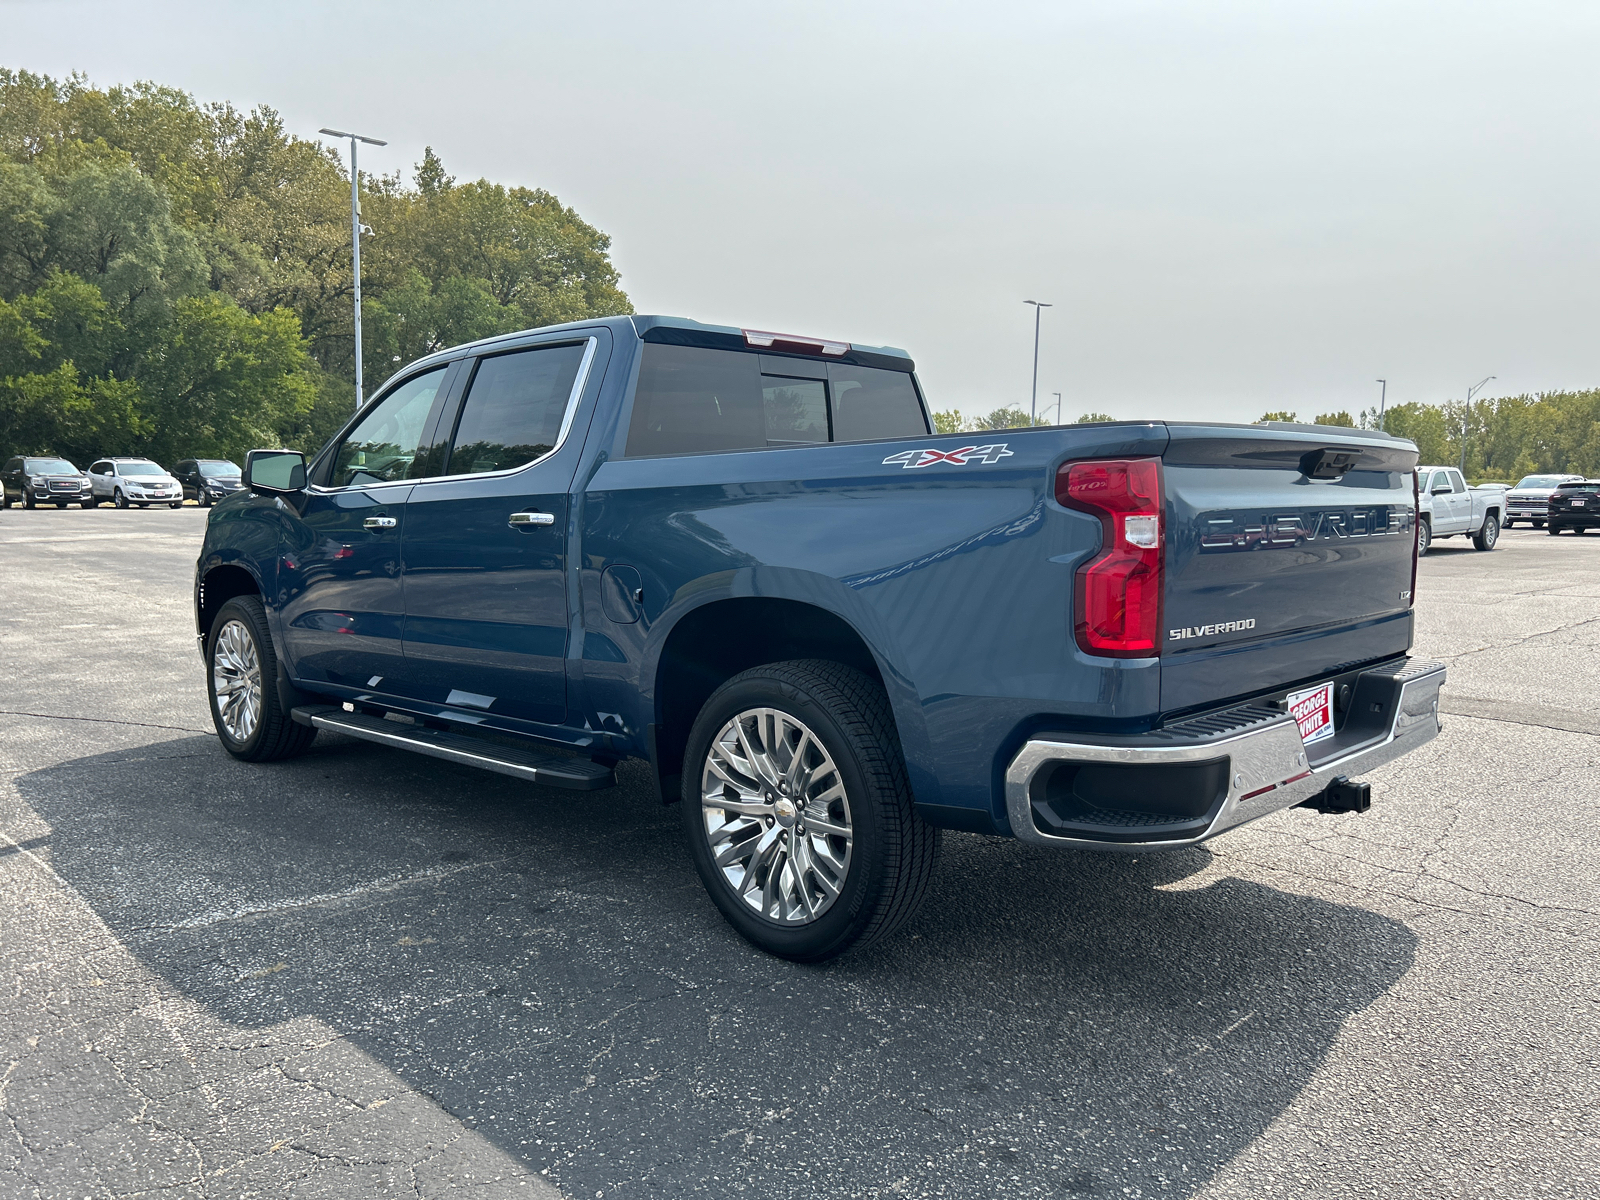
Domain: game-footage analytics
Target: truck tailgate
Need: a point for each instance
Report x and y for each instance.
(1274, 576)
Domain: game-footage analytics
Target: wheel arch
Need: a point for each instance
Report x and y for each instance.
(716, 640)
(217, 584)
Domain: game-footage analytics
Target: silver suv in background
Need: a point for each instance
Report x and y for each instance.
(133, 481)
(1530, 500)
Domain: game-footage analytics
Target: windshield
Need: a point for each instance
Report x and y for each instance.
(219, 470)
(50, 466)
(1540, 481)
(139, 468)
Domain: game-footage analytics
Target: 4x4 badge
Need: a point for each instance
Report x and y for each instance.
(909, 459)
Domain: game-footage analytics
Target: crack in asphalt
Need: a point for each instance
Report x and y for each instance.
(13, 712)
(1450, 658)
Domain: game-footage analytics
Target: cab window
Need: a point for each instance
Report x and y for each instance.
(694, 400)
(515, 408)
(383, 445)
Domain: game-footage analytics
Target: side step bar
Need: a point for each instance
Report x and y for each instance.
(536, 766)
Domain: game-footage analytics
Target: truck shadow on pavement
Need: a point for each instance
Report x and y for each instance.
(545, 966)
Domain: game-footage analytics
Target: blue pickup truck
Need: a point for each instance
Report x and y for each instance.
(746, 558)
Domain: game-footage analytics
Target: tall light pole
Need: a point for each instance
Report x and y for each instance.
(1057, 406)
(1383, 404)
(355, 235)
(1033, 404)
(1466, 415)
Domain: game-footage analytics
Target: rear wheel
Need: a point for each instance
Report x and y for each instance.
(1507, 523)
(61, 503)
(176, 504)
(242, 673)
(1486, 537)
(88, 504)
(798, 811)
(1537, 524)
(1553, 530)
(1424, 537)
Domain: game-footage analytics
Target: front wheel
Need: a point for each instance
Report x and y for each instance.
(1537, 524)
(203, 499)
(1486, 537)
(1424, 538)
(88, 504)
(28, 501)
(119, 499)
(242, 673)
(798, 811)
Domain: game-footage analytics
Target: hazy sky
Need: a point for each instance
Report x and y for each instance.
(1233, 206)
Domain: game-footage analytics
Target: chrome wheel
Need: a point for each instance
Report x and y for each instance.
(776, 815)
(236, 680)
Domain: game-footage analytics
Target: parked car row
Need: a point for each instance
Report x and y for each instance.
(32, 480)
(1530, 500)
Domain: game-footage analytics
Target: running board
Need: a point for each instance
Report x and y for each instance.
(536, 766)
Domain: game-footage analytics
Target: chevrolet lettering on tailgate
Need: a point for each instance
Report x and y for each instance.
(1240, 532)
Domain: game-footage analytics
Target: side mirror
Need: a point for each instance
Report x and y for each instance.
(1444, 489)
(275, 472)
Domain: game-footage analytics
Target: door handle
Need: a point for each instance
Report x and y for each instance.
(379, 523)
(523, 520)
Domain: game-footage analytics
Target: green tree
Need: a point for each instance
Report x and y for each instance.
(1291, 418)
(1341, 418)
(1094, 418)
(949, 421)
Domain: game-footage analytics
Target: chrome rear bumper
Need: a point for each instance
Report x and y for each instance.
(1393, 710)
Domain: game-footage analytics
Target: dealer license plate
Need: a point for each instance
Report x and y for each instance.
(1579, 503)
(1313, 709)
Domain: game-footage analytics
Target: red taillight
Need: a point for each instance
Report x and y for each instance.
(1118, 600)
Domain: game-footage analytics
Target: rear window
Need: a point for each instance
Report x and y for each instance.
(693, 400)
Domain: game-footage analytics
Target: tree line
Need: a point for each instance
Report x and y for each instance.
(175, 277)
(1500, 439)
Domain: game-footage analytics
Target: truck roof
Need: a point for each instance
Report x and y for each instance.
(682, 331)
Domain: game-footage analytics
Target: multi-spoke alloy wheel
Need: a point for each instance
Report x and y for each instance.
(776, 816)
(798, 811)
(236, 679)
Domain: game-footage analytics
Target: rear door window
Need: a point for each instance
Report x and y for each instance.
(515, 409)
(693, 400)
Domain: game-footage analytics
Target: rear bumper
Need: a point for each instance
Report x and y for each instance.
(1230, 767)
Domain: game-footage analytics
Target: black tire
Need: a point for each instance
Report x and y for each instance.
(118, 499)
(1424, 537)
(5, 499)
(1537, 524)
(1507, 523)
(893, 851)
(88, 504)
(1486, 537)
(1553, 530)
(176, 504)
(275, 736)
(27, 500)
(61, 503)
(203, 500)
(144, 506)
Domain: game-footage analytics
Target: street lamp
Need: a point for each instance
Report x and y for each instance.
(355, 235)
(1057, 406)
(1466, 414)
(1383, 403)
(1038, 307)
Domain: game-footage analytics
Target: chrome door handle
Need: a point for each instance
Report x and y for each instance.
(523, 519)
(379, 523)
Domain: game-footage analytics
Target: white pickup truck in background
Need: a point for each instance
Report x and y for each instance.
(1447, 506)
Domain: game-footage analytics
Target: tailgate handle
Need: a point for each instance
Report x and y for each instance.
(1327, 464)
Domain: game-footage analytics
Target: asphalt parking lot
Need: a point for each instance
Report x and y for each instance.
(364, 973)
